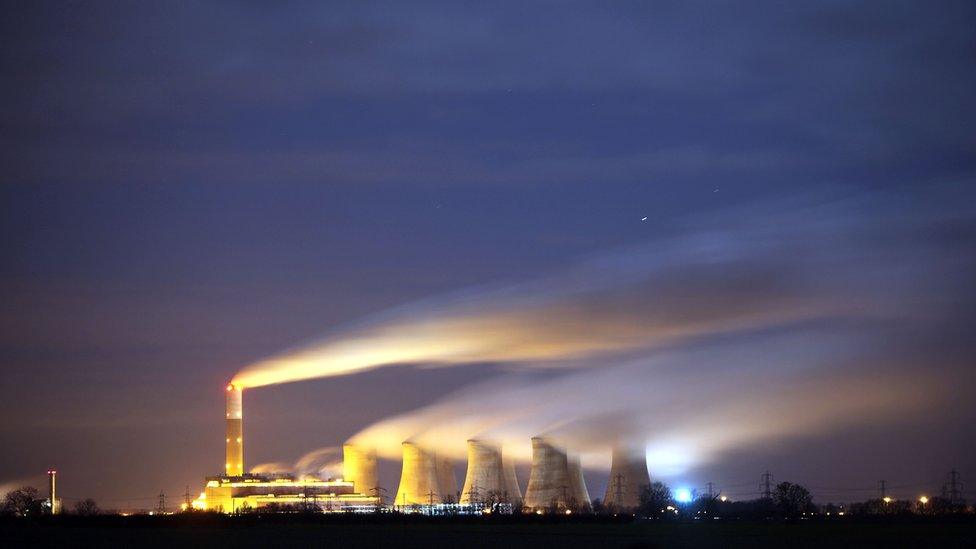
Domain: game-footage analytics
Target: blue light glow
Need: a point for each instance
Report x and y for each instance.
(682, 495)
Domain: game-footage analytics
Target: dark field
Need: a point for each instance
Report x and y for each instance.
(474, 534)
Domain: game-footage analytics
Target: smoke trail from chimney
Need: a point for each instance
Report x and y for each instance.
(713, 280)
(729, 333)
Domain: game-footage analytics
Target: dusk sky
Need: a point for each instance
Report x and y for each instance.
(741, 233)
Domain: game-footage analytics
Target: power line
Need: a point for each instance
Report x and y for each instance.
(952, 488)
(766, 486)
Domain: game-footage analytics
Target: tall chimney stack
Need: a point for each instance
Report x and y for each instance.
(234, 466)
(52, 491)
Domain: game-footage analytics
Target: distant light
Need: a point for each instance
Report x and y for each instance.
(723, 498)
(682, 495)
(569, 512)
(886, 499)
(923, 500)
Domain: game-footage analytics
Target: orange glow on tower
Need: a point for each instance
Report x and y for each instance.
(234, 465)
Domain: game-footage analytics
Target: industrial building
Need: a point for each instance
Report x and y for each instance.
(233, 494)
(427, 481)
(237, 491)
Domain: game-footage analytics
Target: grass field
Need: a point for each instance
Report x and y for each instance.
(470, 535)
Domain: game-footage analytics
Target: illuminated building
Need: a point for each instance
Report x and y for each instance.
(236, 491)
(235, 494)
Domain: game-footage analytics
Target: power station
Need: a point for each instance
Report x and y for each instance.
(236, 491)
(427, 480)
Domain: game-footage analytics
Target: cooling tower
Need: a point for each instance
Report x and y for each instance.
(446, 481)
(628, 476)
(419, 479)
(359, 467)
(549, 481)
(234, 464)
(489, 477)
(579, 497)
(513, 494)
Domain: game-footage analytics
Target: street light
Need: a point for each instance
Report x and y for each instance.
(887, 499)
(923, 500)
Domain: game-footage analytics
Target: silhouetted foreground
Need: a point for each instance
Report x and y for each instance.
(542, 532)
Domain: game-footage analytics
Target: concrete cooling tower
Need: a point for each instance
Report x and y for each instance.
(425, 478)
(446, 480)
(553, 482)
(489, 476)
(359, 467)
(579, 496)
(513, 492)
(628, 476)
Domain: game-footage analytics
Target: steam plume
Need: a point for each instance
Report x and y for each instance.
(708, 281)
(756, 324)
(324, 463)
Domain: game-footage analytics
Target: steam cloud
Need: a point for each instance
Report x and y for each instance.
(730, 332)
(323, 463)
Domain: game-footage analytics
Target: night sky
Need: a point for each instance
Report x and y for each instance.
(782, 198)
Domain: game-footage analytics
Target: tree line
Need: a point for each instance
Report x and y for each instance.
(788, 501)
